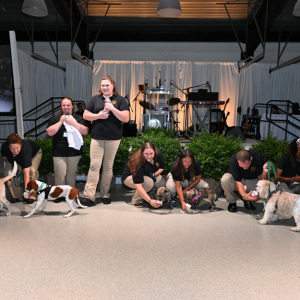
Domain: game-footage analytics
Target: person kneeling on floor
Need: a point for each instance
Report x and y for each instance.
(246, 168)
(185, 174)
(143, 173)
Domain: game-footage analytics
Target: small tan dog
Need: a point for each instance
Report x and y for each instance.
(163, 194)
(282, 205)
(194, 197)
(46, 192)
(3, 199)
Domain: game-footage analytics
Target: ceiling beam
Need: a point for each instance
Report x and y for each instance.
(274, 8)
(70, 13)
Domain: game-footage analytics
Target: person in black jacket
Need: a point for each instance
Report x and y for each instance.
(27, 155)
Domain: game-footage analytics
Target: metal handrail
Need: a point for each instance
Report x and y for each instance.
(26, 117)
(287, 104)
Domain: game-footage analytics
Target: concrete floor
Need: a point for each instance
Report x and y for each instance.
(118, 251)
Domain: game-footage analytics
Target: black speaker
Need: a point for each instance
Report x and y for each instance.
(235, 132)
(129, 130)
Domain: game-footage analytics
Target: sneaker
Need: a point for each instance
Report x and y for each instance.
(106, 201)
(87, 202)
(232, 207)
(249, 205)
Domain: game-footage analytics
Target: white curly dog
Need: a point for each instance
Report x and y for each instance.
(282, 205)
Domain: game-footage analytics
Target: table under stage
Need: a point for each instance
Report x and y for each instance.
(201, 120)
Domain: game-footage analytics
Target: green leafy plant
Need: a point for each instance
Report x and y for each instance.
(271, 148)
(163, 140)
(213, 152)
(46, 165)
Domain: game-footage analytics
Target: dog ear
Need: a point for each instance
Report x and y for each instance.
(32, 185)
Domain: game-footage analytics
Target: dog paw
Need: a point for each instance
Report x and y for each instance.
(262, 222)
(8, 214)
(294, 229)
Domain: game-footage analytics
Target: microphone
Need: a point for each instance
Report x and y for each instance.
(208, 86)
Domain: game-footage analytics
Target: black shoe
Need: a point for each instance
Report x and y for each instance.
(28, 201)
(14, 200)
(87, 202)
(106, 201)
(249, 205)
(232, 207)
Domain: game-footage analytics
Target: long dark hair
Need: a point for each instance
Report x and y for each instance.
(137, 159)
(178, 166)
(292, 150)
(73, 110)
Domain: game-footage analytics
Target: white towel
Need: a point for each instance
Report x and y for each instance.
(74, 137)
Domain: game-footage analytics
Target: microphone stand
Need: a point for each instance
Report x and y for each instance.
(134, 100)
(186, 108)
(188, 91)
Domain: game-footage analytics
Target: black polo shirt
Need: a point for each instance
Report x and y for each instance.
(28, 150)
(285, 165)
(187, 174)
(110, 128)
(255, 169)
(145, 169)
(60, 146)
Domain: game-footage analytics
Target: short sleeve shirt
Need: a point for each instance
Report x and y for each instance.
(187, 175)
(285, 165)
(110, 128)
(28, 150)
(145, 169)
(255, 169)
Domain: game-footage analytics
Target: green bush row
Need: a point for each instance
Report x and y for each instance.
(212, 150)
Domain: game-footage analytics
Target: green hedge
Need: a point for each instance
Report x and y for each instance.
(212, 150)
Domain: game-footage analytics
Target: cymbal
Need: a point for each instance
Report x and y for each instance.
(174, 101)
(146, 105)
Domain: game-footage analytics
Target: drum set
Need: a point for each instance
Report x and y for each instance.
(158, 108)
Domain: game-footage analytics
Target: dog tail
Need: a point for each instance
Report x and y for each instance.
(12, 174)
(79, 203)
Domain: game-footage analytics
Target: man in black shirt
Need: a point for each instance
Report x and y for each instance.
(245, 169)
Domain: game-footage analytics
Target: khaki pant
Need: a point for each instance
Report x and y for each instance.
(147, 185)
(172, 187)
(101, 150)
(65, 169)
(230, 190)
(17, 191)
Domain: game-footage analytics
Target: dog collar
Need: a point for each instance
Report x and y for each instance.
(198, 195)
(41, 186)
(272, 193)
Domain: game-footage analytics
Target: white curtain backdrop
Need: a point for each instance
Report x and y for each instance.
(252, 85)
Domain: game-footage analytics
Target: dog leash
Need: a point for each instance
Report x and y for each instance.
(269, 167)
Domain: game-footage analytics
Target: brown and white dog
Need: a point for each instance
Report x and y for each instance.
(46, 192)
(194, 197)
(3, 199)
(282, 205)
